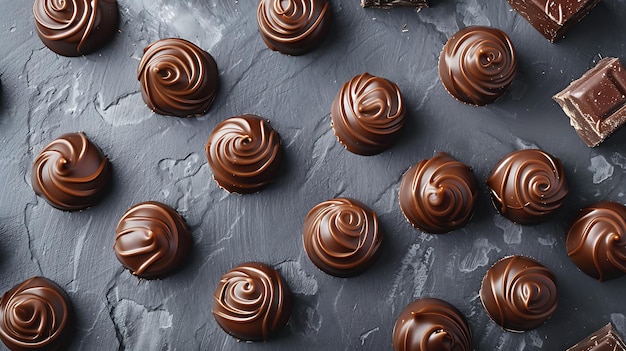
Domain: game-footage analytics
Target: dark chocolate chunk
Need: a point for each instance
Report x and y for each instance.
(394, 3)
(605, 339)
(596, 102)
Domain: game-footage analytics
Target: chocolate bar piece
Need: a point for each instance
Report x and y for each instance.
(596, 102)
(552, 18)
(394, 3)
(605, 339)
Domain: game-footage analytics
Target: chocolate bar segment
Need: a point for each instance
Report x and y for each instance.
(596, 102)
(552, 18)
(605, 339)
(394, 3)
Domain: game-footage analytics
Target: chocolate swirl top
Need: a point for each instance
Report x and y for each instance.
(438, 195)
(71, 173)
(177, 78)
(477, 65)
(367, 114)
(528, 186)
(152, 240)
(75, 27)
(342, 237)
(430, 324)
(519, 293)
(252, 302)
(293, 27)
(244, 153)
(35, 315)
(596, 241)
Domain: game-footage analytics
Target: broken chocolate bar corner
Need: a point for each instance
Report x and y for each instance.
(394, 3)
(605, 339)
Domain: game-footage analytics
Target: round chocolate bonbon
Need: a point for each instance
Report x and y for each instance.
(596, 241)
(252, 302)
(71, 173)
(244, 153)
(477, 65)
(519, 293)
(438, 195)
(367, 114)
(152, 240)
(342, 237)
(177, 78)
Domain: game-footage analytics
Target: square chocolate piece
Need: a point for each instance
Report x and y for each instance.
(394, 3)
(552, 18)
(596, 102)
(605, 339)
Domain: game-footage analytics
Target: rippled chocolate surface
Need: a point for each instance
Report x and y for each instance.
(244, 153)
(430, 324)
(477, 65)
(252, 302)
(342, 237)
(293, 27)
(368, 114)
(438, 195)
(71, 173)
(528, 185)
(152, 240)
(35, 315)
(519, 293)
(177, 78)
(78, 27)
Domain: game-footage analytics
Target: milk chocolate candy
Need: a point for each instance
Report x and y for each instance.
(394, 3)
(605, 339)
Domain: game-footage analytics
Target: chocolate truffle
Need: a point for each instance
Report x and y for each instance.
(35, 315)
(74, 28)
(293, 27)
(342, 237)
(152, 240)
(438, 195)
(367, 114)
(177, 78)
(519, 293)
(604, 339)
(477, 65)
(528, 186)
(244, 153)
(431, 324)
(71, 173)
(252, 302)
(596, 241)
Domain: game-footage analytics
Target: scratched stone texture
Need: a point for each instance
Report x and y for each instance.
(162, 158)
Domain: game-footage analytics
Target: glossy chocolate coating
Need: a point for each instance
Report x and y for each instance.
(596, 241)
(519, 293)
(430, 324)
(604, 339)
(78, 27)
(342, 237)
(71, 173)
(244, 153)
(367, 114)
(35, 315)
(152, 240)
(293, 27)
(252, 302)
(438, 195)
(177, 78)
(477, 65)
(528, 185)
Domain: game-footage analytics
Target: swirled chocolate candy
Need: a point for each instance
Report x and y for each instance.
(528, 185)
(177, 78)
(342, 237)
(151, 240)
(35, 315)
(596, 241)
(438, 195)
(71, 173)
(78, 27)
(367, 114)
(430, 324)
(293, 27)
(477, 65)
(519, 293)
(244, 153)
(252, 302)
